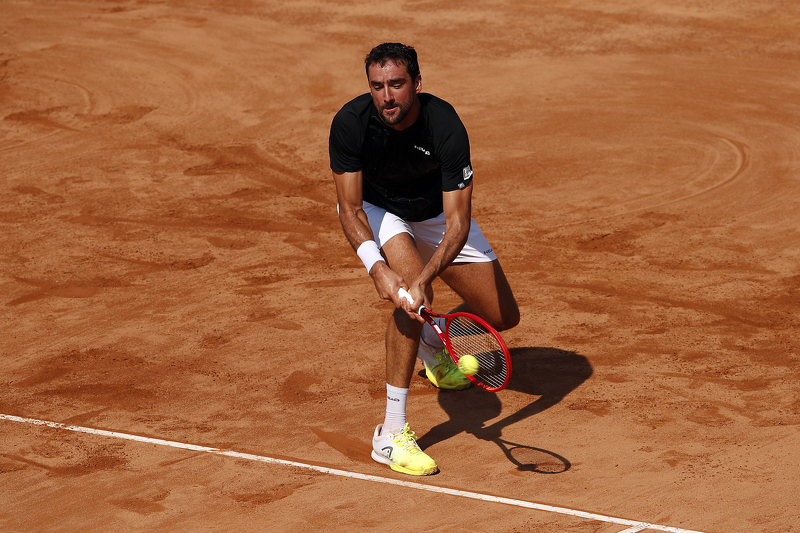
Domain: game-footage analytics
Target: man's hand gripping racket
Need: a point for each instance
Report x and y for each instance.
(468, 334)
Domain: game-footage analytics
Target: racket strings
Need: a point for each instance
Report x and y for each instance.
(468, 336)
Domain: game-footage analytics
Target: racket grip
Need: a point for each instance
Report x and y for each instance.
(405, 294)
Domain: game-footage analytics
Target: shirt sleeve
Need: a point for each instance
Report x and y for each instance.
(344, 143)
(454, 151)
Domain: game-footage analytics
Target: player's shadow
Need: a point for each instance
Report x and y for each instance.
(546, 374)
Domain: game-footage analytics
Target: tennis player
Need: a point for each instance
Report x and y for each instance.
(401, 163)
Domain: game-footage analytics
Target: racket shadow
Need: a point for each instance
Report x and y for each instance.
(548, 375)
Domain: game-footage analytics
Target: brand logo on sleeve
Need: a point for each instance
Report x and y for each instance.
(467, 170)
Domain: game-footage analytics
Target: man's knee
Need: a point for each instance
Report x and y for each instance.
(505, 316)
(509, 317)
(405, 325)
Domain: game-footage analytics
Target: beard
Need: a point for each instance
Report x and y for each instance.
(402, 111)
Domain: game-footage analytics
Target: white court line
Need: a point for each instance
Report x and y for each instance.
(635, 526)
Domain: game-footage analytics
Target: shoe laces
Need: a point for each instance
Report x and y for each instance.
(407, 439)
(445, 360)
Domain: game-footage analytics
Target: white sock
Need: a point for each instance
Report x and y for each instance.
(396, 399)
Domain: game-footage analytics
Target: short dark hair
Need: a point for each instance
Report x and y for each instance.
(397, 53)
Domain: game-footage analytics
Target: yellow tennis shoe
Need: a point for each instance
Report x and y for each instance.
(401, 452)
(442, 371)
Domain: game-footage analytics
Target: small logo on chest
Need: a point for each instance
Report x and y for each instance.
(421, 149)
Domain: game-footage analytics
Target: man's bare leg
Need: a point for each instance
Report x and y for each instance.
(402, 337)
(402, 332)
(485, 291)
(393, 443)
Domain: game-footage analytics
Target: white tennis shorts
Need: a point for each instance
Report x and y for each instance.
(428, 234)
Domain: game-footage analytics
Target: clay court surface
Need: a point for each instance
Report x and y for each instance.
(173, 268)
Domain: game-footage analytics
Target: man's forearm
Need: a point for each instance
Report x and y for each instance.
(355, 226)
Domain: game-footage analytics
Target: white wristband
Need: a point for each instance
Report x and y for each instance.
(369, 253)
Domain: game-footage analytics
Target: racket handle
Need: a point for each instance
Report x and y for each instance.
(405, 294)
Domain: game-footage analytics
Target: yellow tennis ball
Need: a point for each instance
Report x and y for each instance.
(469, 365)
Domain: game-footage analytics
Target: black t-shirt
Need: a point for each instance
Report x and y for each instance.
(404, 171)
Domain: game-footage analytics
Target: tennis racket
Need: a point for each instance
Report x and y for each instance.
(465, 333)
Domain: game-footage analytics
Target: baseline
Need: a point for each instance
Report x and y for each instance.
(634, 525)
